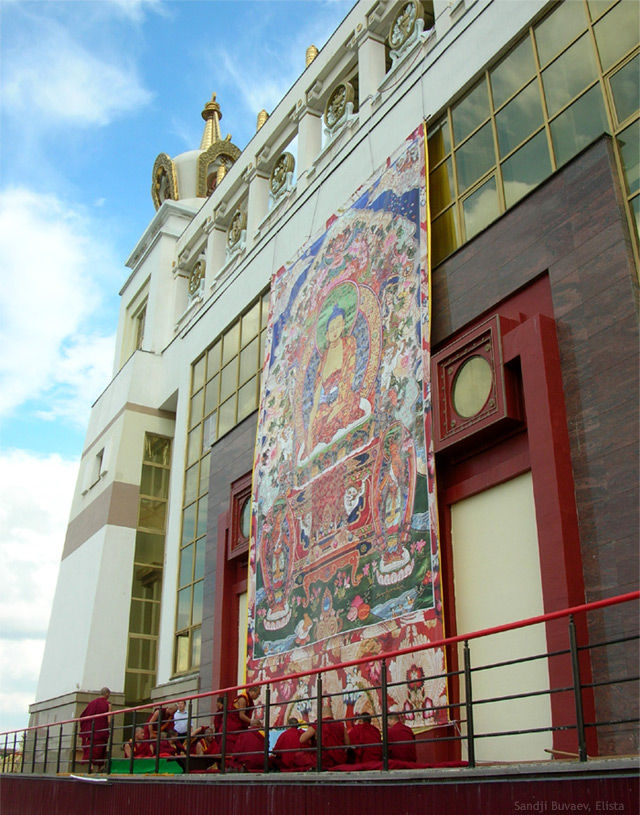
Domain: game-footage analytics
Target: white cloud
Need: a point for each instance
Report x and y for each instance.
(35, 498)
(60, 80)
(135, 9)
(49, 291)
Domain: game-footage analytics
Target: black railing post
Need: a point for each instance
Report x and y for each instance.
(15, 747)
(158, 732)
(46, 751)
(383, 710)
(133, 742)
(74, 746)
(110, 745)
(24, 750)
(319, 723)
(93, 730)
(4, 755)
(223, 753)
(577, 690)
(59, 748)
(33, 752)
(471, 752)
(188, 741)
(267, 715)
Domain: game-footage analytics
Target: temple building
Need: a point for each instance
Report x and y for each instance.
(376, 381)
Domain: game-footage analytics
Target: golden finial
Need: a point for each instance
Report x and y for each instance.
(211, 115)
(310, 55)
(262, 118)
(222, 171)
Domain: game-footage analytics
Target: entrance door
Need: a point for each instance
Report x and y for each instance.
(496, 572)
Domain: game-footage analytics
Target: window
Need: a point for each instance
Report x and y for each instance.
(146, 586)
(571, 77)
(225, 388)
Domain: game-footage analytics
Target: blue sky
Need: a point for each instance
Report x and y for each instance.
(90, 93)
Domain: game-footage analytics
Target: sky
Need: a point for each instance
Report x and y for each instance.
(90, 92)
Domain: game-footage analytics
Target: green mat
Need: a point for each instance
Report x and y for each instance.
(144, 765)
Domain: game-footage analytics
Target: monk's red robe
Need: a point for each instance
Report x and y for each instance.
(399, 732)
(366, 741)
(249, 751)
(333, 742)
(235, 725)
(290, 755)
(142, 749)
(100, 727)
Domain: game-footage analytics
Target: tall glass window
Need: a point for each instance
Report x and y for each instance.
(571, 77)
(225, 388)
(144, 614)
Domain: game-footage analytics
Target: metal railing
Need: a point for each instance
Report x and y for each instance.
(54, 747)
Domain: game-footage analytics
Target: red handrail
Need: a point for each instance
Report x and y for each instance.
(483, 632)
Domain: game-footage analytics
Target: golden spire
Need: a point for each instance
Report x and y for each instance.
(262, 118)
(310, 54)
(211, 115)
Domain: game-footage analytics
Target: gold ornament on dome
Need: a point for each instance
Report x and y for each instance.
(262, 119)
(404, 23)
(336, 106)
(196, 276)
(220, 153)
(310, 54)
(236, 228)
(283, 166)
(163, 181)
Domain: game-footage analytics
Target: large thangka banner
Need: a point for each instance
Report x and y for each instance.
(344, 556)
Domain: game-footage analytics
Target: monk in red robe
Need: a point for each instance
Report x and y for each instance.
(249, 749)
(334, 737)
(94, 732)
(239, 716)
(402, 742)
(290, 756)
(141, 748)
(366, 740)
(206, 745)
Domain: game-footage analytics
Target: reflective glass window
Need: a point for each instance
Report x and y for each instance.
(198, 375)
(445, 236)
(230, 343)
(213, 359)
(205, 466)
(265, 310)
(151, 514)
(229, 379)
(441, 187)
(195, 414)
(189, 523)
(208, 432)
(249, 360)
(559, 29)
(227, 418)
(154, 481)
(202, 516)
(578, 125)
(184, 608)
(470, 111)
(512, 73)
(191, 484)
(629, 141)
(251, 323)
(438, 142)
(617, 32)
(195, 646)
(526, 168)
(211, 395)
(186, 566)
(198, 571)
(149, 548)
(569, 74)
(247, 401)
(475, 157)
(635, 208)
(196, 614)
(480, 208)
(182, 653)
(598, 7)
(519, 118)
(193, 445)
(625, 89)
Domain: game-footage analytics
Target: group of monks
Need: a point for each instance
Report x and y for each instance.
(165, 733)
